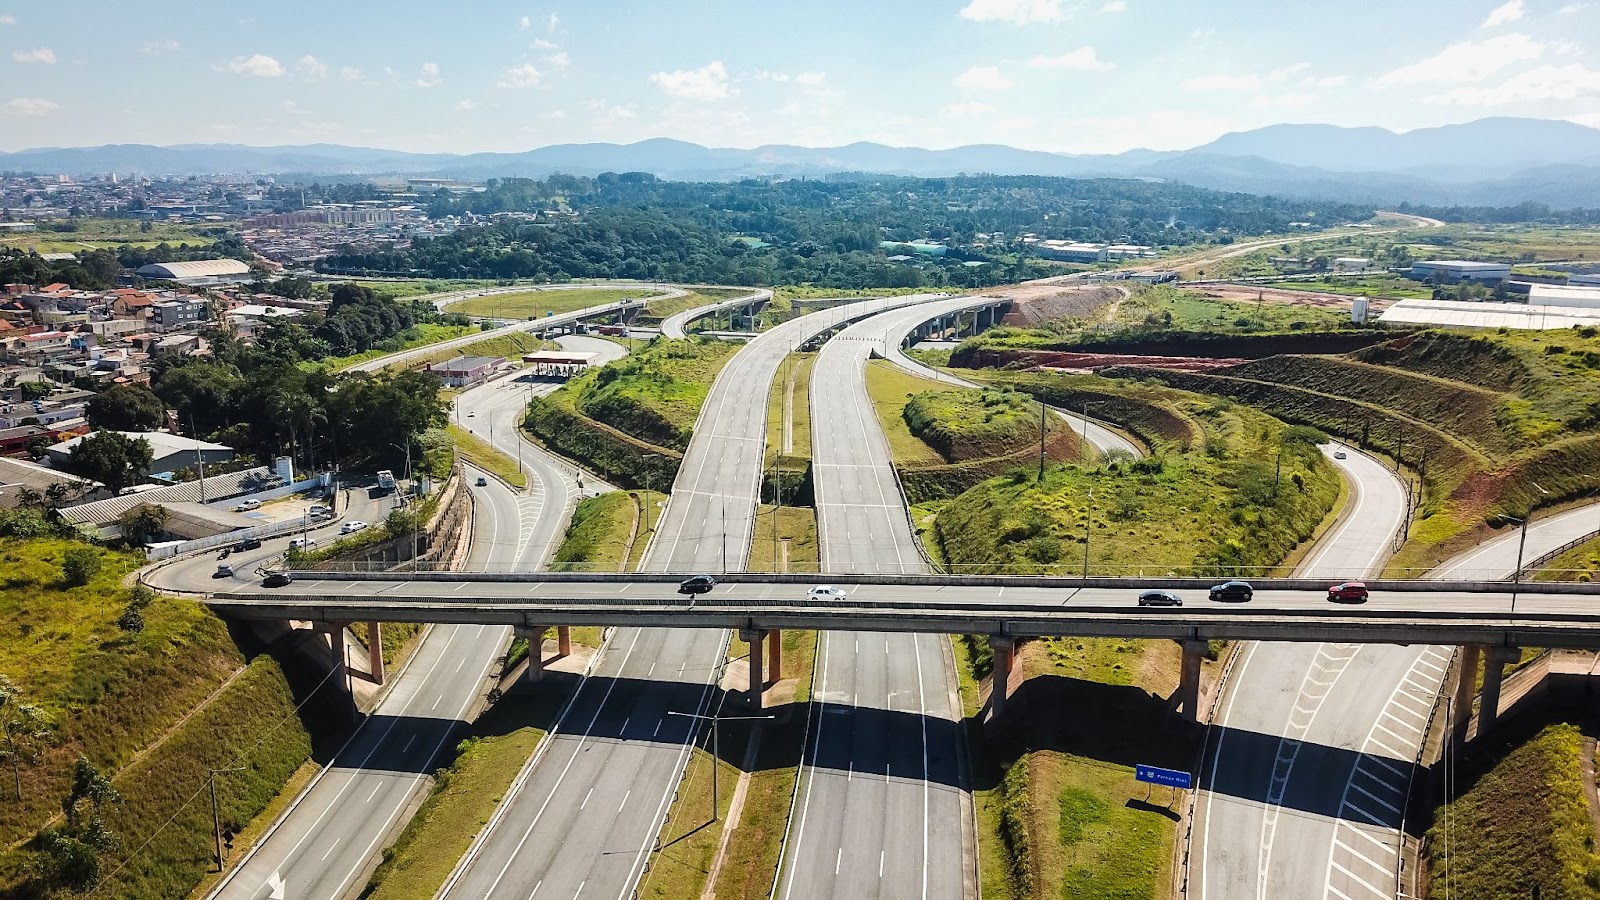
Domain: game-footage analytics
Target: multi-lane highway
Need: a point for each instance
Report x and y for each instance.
(883, 808)
(676, 326)
(585, 815)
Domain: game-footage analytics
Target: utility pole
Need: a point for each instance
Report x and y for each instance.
(216, 811)
(1277, 476)
(1088, 517)
(199, 458)
(1043, 427)
(716, 749)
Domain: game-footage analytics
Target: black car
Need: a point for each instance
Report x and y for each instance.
(1233, 591)
(277, 579)
(247, 544)
(1160, 598)
(699, 584)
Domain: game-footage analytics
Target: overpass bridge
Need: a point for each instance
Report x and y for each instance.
(1483, 616)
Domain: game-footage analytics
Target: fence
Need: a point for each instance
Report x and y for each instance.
(270, 529)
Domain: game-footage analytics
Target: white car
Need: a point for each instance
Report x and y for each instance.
(352, 526)
(302, 543)
(826, 592)
(1339, 454)
(244, 505)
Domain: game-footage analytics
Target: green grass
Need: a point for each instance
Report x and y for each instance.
(1581, 563)
(597, 539)
(1523, 823)
(797, 526)
(538, 304)
(510, 345)
(969, 424)
(416, 336)
(811, 292)
(656, 393)
(1393, 287)
(465, 794)
(667, 306)
(106, 234)
(1194, 311)
(795, 372)
(890, 388)
(419, 286)
(485, 456)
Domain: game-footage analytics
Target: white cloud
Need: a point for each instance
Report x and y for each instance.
(1466, 61)
(350, 73)
(1544, 83)
(542, 44)
(983, 78)
(42, 55)
(1504, 14)
(155, 48)
(1283, 72)
(468, 105)
(811, 79)
(1328, 81)
(294, 109)
(709, 82)
(1281, 101)
(1223, 84)
(1017, 12)
(1115, 6)
(8, 20)
(523, 76)
(524, 23)
(256, 66)
(310, 68)
(605, 111)
(554, 114)
(29, 106)
(558, 60)
(969, 110)
(430, 76)
(1571, 8)
(1083, 59)
(553, 23)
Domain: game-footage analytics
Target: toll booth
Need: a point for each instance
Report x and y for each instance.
(561, 364)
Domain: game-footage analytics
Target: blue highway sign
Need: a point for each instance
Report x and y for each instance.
(1169, 777)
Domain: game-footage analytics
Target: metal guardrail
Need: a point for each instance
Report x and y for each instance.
(1539, 563)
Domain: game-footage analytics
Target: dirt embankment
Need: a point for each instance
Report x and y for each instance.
(1035, 304)
(1251, 293)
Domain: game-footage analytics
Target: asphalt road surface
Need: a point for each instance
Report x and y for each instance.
(677, 325)
(883, 809)
(583, 817)
(1312, 756)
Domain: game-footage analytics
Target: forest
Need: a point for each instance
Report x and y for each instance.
(819, 232)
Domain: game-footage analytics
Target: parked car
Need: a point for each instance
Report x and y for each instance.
(223, 571)
(277, 579)
(352, 526)
(1340, 454)
(1233, 591)
(1160, 598)
(482, 481)
(302, 543)
(245, 505)
(247, 544)
(1348, 592)
(320, 511)
(699, 584)
(826, 592)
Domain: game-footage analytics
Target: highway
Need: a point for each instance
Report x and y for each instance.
(676, 326)
(883, 808)
(1311, 758)
(585, 816)
(329, 838)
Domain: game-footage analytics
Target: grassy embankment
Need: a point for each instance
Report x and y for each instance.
(1521, 826)
(416, 336)
(485, 456)
(510, 345)
(415, 287)
(151, 708)
(107, 234)
(538, 304)
(667, 306)
(1578, 564)
(1391, 287)
(631, 419)
(1059, 811)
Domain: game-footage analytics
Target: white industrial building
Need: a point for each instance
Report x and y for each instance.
(1468, 314)
(1453, 271)
(200, 271)
(1589, 280)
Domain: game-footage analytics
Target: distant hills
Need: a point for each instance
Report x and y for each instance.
(1496, 161)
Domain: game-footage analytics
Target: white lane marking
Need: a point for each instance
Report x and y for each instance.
(586, 798)
(375, 788)
(1377, 891)
(409, 741)
(330, 849)
(880, 864)
(838, 861)
(1216, 757)
(1376, 799)
(624, 800)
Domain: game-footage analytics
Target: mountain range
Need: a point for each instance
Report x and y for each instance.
(1495, 161)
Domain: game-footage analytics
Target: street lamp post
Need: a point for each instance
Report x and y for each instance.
(216, 810)
(1088, 518)
(1522, 545)
(716, 748)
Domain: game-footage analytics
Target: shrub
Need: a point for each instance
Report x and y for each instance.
(79, 566)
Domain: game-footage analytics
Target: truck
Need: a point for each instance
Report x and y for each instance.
(385, 480)
(613, 330)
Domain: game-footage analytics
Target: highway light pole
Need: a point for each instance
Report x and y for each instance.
(1522, 544)
(216, 810)
(1088, 518)
(716, 748)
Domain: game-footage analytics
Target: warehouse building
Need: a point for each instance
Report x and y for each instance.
(1454, 271)
(464, 371)
(200, 271)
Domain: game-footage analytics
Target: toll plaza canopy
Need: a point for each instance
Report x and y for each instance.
(561, 363)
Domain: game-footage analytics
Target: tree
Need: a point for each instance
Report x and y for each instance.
(34, 390)
(79, 566)
(69, 854)
(142, 522)
(132, 618)
(26, 728)
(127, 408)
(115, 460)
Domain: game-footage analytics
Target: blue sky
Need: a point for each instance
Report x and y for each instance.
(1062, 75)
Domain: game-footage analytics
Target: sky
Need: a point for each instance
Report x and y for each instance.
(1077, 76)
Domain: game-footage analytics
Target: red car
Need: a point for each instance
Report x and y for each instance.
(1349, 592)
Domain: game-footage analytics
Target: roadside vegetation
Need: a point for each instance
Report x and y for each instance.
(1581, 563)
(486, 456)
(609, 533)
(538, 304)
(789, 412)
(668, 306)
(1522, 826)
(511, 345)
(416, 336)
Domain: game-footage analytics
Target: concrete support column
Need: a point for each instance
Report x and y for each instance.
(564, 640)
(1004, 649)
(375, 652)
(340, 676)
(752, 637)
(1471, 657)
(535, 636)
(1194, 652)
(775, 655)
(1494, 666)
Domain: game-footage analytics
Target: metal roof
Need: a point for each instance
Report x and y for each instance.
(200, 268)
(1466, 314)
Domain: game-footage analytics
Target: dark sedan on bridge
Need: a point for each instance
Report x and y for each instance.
(699, 584)
(1348, 592)
(1233, 592)
(1160, 598)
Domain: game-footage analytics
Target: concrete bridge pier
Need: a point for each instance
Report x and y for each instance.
(1194, 652)
(1004, 648)
(375, 652)
(334, 632)
(753, 637)
(1494, 668)
(775, 655)
(1461, 708)
(535, 637)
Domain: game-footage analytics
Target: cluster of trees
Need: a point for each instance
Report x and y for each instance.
(821, 232)
(93, 270)
(359, 320)
(1527, 212)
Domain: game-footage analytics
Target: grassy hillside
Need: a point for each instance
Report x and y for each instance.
(598, 538)
(654, 394)
(1523, 823)
(1213, 509)
(116, 696)
(964, 425)
(1151, 412)
(511, 345)
(538, 304)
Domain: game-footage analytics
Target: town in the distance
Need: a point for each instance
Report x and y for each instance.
(1131, 497)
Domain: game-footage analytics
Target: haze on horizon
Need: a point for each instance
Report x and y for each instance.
(1081, 76)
